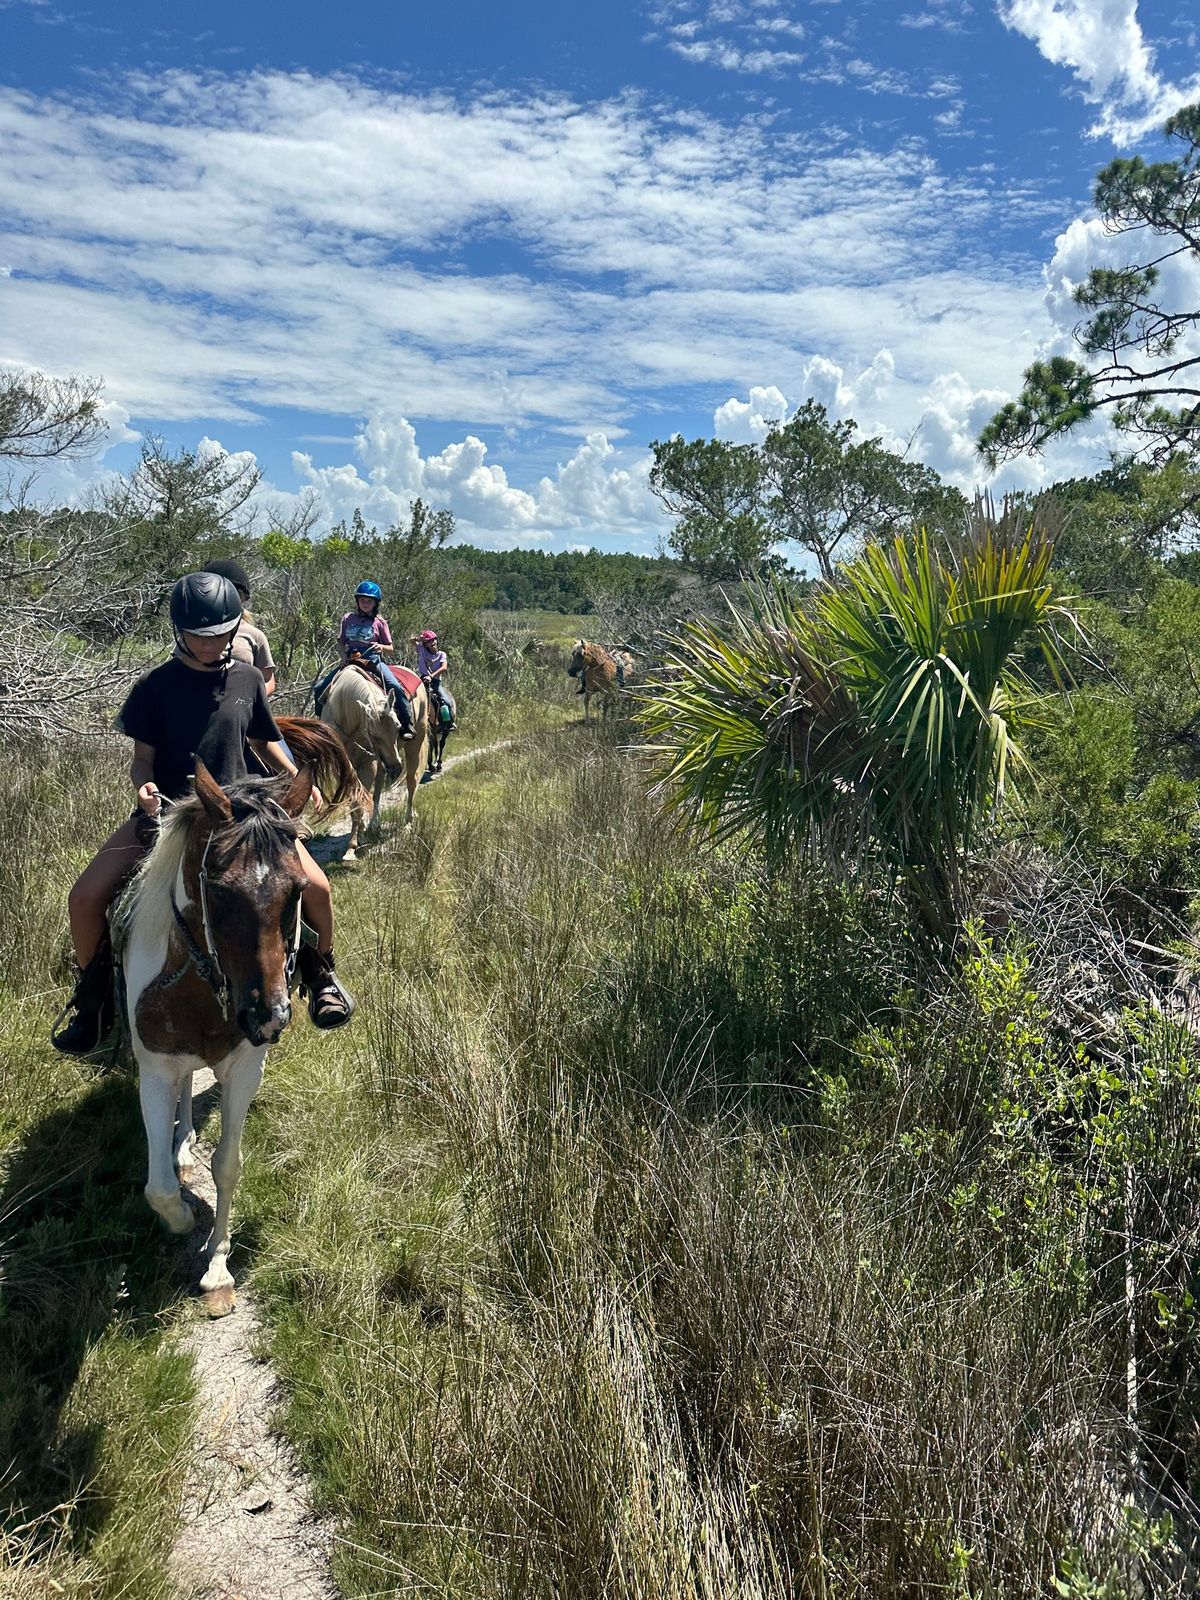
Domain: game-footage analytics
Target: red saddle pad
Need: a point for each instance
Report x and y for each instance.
(409, 679)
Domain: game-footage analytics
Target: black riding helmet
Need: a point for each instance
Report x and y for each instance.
(205, 603)
(235, 572)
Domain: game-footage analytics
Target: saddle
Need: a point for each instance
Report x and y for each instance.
(409, 681)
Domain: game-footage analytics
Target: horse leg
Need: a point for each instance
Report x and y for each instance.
(412, 772)
(376, 823)
(356, 821)
(363, 771)
(237, 1091)
(159, 1094)
(185, 1134)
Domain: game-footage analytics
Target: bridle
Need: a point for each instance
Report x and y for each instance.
(204, 958)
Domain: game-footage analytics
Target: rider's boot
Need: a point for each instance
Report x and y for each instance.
(94, 1005)
(330, 1005)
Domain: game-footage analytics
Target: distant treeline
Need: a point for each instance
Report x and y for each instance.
(535, 580)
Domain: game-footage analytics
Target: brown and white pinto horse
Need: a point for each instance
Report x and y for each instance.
(364, 716)
(208, 935)
(597, 671)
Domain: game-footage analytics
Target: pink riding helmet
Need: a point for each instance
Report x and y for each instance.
(428, 637)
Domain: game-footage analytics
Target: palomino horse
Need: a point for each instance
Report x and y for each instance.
(597, 671)
(364, 715)
(209, 933)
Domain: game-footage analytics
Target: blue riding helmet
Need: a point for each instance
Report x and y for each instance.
(371, 590)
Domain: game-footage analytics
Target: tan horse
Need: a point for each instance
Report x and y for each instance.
(365, 717)
(597, 671)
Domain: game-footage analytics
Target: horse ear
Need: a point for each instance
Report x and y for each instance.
(295, 800)
(213, 798)
(391, 698)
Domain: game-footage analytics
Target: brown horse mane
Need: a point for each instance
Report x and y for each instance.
(260, 824)
(313, 743)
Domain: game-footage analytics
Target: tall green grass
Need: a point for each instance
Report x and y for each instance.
(95, 1401)
(661, 1229)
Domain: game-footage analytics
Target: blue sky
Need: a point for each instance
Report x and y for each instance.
(487, 253)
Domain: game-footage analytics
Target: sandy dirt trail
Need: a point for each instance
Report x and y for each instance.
(248, 1531)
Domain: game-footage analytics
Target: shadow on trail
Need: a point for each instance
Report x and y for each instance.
(80, 1252)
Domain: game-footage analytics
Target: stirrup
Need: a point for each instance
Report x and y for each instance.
(60, 1029)
(330, 980)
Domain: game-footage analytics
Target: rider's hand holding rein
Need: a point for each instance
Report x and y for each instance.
(141, 775)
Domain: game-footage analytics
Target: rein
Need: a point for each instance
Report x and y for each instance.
(205, 958)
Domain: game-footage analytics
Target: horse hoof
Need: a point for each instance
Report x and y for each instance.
(350, 859)
(219, 1302)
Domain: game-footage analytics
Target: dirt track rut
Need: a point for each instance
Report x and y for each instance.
(248, 1530)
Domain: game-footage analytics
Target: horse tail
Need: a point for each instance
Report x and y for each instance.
(315, 744)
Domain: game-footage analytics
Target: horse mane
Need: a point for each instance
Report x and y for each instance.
(260, 825)
(356, 688)
(314, 743)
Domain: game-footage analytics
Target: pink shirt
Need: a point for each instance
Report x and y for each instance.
(428, 661)
(362, 633)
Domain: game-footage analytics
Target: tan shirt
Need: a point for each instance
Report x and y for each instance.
(250, 645)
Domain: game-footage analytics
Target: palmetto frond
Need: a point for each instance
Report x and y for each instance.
(885, 712)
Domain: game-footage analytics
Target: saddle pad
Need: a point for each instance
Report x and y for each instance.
(410, 680)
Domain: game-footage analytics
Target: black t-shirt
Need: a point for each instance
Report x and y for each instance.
(188, 716)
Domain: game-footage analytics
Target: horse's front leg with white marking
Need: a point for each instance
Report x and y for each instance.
(159, 1094)
(237, 1091)
(185, 1134)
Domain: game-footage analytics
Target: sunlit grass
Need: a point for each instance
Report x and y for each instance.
(96, 1404)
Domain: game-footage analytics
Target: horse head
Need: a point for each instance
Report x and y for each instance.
(244, 874)
(578, 658)
(593, 665)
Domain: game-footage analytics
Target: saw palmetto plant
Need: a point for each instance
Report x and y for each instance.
(880, 718)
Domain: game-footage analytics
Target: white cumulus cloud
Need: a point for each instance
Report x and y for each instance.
(592, 490)
(747, 421)
(1103, 43)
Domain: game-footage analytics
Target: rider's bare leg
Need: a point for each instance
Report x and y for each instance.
(92, 894)
(317, 901)
(329, 1003)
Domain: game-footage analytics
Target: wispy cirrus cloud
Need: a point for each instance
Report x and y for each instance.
(216, 244)
(734, 35)
(947, 16)
(219, 246)
(724, 53)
